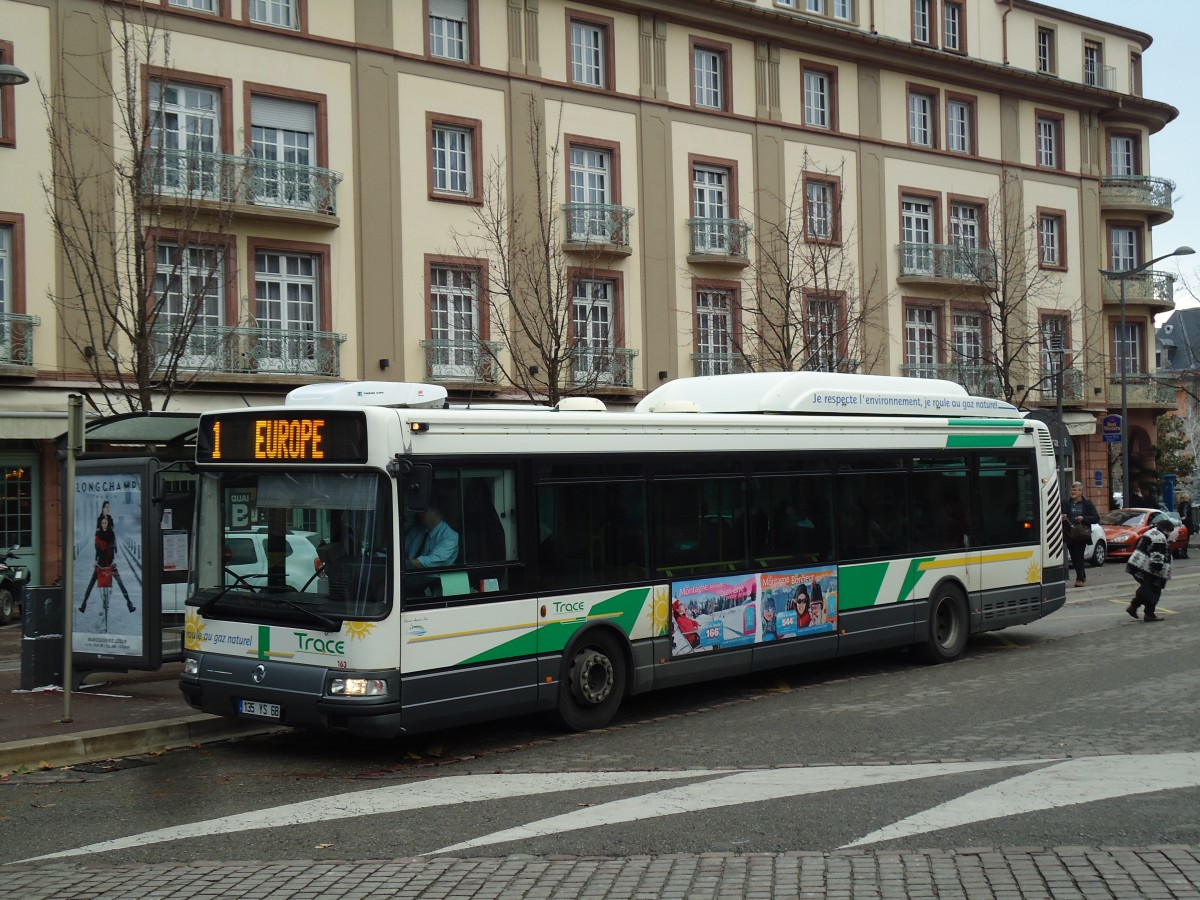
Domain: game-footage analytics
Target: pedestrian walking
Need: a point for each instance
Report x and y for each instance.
(1078, 519)
(1150, 566)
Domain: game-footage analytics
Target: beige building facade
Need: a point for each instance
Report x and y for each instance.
(951, 177)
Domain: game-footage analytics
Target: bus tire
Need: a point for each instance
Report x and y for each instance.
(948, 627)
(593, 682)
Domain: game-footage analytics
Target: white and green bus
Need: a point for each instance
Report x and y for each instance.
(728, 524)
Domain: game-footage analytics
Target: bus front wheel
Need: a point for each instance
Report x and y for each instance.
(593, 683)
(948, 627)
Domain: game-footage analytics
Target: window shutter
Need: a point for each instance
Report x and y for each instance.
(290, 115)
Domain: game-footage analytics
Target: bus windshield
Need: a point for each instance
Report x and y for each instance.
(304, 547)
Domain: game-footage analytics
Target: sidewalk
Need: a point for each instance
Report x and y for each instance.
(123, 714)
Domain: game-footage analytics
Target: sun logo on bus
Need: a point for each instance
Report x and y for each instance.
(193, 631)
(660, 609)
(358, 630)
(1033, 574)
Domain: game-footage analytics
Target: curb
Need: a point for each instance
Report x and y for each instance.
(128, 740)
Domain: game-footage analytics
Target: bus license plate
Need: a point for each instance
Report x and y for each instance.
(259, 709)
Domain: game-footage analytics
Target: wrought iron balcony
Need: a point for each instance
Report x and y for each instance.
(721, 364)
(219, 177)
(463, 361)
(1142, 389)
(1072, 385)
(719, 239)
(1152, 288)
(979, 380)
(16, 339)
(598, 225)
(1139, 192)
(946, 262)
(603, 366)
(238, 350)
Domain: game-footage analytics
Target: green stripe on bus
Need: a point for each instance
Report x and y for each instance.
(986, 423)
(859, 586)
(981, 440)
(621, 609)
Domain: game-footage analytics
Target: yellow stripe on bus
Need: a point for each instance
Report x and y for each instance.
(983, 558)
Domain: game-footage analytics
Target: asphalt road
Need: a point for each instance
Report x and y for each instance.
(1078, 730)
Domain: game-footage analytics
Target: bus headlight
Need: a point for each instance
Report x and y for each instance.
(191, 665)
(358, 687)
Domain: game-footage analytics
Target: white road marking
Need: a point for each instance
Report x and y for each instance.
(396, 798)
(733, 790)
(1067, 783)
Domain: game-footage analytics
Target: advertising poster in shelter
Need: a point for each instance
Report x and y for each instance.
(711, 613)
(106, 594)
(797, 602)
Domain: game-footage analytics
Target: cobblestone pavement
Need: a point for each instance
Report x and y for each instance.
(1079, 873)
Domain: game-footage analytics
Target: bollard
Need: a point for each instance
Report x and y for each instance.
(42, 638)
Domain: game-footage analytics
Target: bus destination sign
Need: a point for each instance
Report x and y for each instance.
(282, 437)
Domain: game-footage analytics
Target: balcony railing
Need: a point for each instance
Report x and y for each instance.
(1142, 389)
(246, 180)
(718, 237)
(1100, 75)
(948, 261)
(462, 361)
(1072, 385)
(238, 350)
(603, 366)
(979, 380)
(16, 339)
(1145, 287)
(721, 364)
(598, 223)
(1137, 190)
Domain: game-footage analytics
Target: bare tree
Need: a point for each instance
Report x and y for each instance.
(554, 340)
(804, 305)
(117, 180)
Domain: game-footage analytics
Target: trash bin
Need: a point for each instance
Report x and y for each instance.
(42, 637)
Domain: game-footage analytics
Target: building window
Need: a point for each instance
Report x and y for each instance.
(454, 322)
(453, 159)
(591, 194)
(820, 211)
(960, 126)
(823, 334)
(843, 9)
(1093, 64)
(276, 13)
(953, 36)
(921, 123)
(819, 98)
(185, 134)
(921, 341)
(8, 136)
(590, 54)
(1049, 140)
(287, 298)
(449, 30)
(1128, 358)
(709, 71)
(1123, 155)
(916, 228)
(1046, 61)
(283, 140)
(1050, 240)
(714, 332)
(1123, 244)
(922, 21)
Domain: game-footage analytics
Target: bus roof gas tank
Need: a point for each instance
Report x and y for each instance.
(400, 394)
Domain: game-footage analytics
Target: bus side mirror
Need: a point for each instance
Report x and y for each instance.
(418, 486)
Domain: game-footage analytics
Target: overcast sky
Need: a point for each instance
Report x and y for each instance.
(1170, 74)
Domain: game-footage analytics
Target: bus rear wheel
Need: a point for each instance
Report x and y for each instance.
(593, 683)
(948, 627)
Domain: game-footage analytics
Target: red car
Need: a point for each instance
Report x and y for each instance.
(1123, 528)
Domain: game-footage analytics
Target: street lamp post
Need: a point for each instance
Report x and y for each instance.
(1121, 276)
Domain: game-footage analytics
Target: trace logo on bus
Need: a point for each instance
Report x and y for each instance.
(707, 614)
